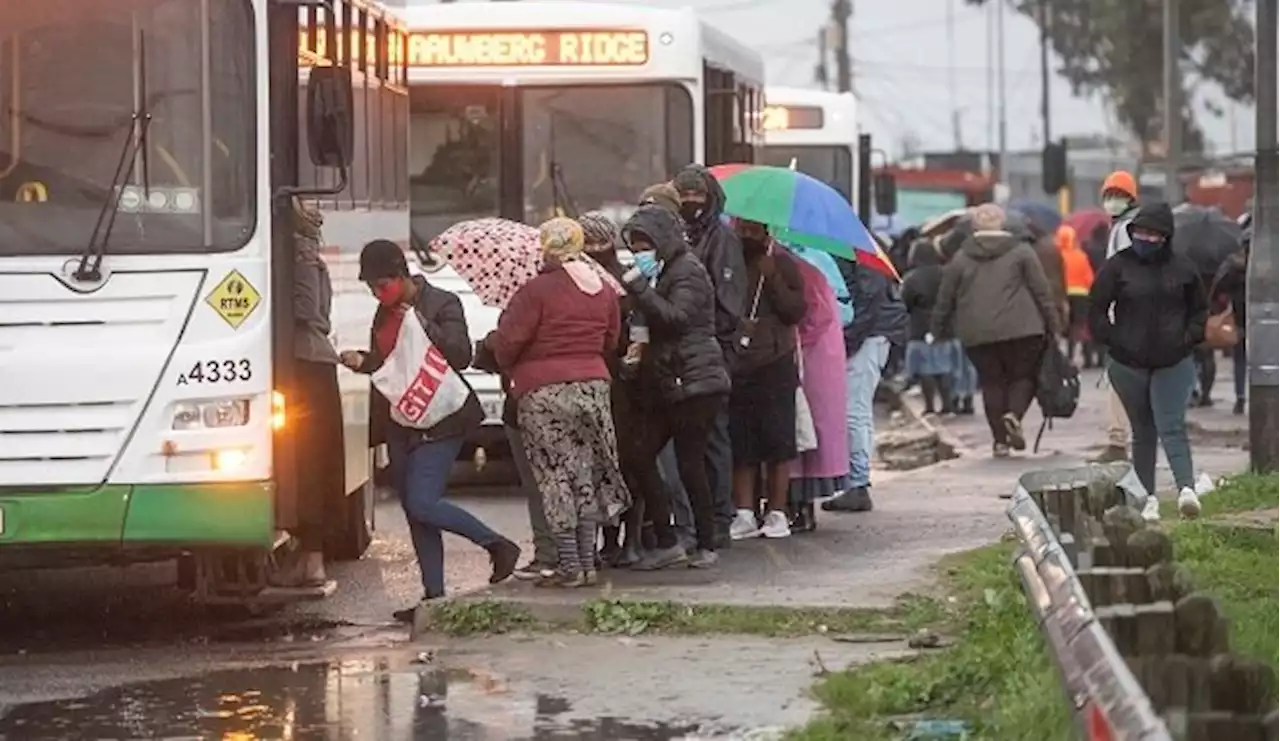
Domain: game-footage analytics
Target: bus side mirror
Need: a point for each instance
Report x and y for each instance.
(330, 129)
(885, 188)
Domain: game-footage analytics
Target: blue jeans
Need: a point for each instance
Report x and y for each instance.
(421, 476)
(681, 510)
(964, 377)
(1156, 403)
(862, 376)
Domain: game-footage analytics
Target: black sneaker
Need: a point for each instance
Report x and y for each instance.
(857, 499)
(1238, 409)
(503, 555)
(531, 570)
(407, 614)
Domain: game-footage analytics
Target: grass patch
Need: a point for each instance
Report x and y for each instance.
(472, 617)
(998, 677)
(1242, 493)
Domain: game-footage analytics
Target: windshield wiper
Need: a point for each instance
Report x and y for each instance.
(90, 268)
(560, 195)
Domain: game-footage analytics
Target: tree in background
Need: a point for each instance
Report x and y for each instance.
(1114, 47)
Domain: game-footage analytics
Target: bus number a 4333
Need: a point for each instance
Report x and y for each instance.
(218, 371)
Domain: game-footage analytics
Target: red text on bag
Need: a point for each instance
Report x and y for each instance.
(415, 400)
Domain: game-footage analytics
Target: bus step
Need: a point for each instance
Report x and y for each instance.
(275, 595)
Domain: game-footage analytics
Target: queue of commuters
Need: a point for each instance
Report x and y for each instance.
(721, 383)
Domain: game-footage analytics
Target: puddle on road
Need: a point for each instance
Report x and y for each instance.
(330, 700)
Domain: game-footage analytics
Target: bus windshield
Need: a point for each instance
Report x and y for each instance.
(74, 76)
(832, 164)
(580, 148)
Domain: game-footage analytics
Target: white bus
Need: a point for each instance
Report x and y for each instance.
(817, 130)
(149, 153)
(532, 109)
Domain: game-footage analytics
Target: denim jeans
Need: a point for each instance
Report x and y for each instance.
(964, 377)
(681, 510)
(862, 376)
(1155, 402)
(544, 546)
(1240, 368)
(421, 474)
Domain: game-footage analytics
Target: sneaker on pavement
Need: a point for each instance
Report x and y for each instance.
(856, 499)
(775, 525)
(531, 570)
(1151, 510)
(662, 558)
(999, 450)
(744, 526)
(702, 559)
(1188, 503)
(1013, 430)
(1238, 409)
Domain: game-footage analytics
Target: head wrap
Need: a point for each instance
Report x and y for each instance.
(563, 241)
(988, 218)
(599, 232)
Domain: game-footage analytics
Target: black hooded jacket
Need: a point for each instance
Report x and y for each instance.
(683, 359)
(720, 251)
(920, 286)
(1160, 302)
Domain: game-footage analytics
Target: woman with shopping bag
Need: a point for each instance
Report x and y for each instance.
(766, 393)
(423, 409)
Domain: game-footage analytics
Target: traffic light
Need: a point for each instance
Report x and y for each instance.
(1053, 166)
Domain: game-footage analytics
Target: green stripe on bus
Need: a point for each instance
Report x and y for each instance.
(234, 514)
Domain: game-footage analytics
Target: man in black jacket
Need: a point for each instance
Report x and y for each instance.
(715, 244)
(879, 322)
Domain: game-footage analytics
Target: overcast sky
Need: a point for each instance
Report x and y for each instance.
(901, 60)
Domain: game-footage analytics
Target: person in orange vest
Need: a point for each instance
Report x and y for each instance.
(1078, 272)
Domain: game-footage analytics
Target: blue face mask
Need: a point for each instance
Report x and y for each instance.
(647, 263)
(1145, 247)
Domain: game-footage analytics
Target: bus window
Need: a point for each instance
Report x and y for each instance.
(589, 146)
(831, 164)
(453, 156)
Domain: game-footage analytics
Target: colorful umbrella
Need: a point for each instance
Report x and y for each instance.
(1086, 220)
(496, 257)
(1042, 216)
(799, 209)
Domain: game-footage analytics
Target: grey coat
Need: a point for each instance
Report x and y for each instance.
(312, 303)
(994, 289)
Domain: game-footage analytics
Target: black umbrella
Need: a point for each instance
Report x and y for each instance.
(1206, 235)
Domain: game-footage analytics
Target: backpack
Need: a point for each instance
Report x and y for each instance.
(1057, 388)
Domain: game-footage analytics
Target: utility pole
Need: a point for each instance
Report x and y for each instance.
(1042, 11)
(1263, 325)
(1172, 104)
(958, 140)
(840, 12)
(820, 73)
(1003, 103)
(991, 79)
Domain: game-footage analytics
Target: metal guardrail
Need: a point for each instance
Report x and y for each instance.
(1108, 701)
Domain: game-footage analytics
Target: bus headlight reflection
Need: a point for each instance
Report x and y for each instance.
(211, 414)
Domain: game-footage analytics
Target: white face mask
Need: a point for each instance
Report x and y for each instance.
(1115, 205)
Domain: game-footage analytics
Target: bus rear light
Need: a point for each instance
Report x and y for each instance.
(227, 459)
(206, 415)
(278, 411)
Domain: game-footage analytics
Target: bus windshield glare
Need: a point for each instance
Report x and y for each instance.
(581, 147)
(831, 164)
(74, 76)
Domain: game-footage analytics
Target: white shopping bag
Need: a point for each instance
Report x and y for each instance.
(417, 380)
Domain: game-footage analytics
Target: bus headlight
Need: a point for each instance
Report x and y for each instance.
(198, 415)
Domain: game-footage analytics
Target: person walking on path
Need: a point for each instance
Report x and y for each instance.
(994, 297)
(1120, 201)
(422, 460)
(928, 361)
(552, 341)
(1229, 287)
(879, 323)
(1149, 308)
(1079, 277)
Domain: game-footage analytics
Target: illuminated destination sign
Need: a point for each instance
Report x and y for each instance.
(783, 117)
(552, 48)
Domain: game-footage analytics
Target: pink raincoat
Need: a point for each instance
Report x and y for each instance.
(822, 346)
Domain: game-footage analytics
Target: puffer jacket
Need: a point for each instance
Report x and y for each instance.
(683, 359)
(920, 286)
(1160, 303)
(720, 251)
(994, 289)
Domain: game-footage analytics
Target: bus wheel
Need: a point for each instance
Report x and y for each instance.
(353, 527)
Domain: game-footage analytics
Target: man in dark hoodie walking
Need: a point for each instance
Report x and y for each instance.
(720, 251)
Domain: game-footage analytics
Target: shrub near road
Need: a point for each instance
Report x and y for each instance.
(998, 677)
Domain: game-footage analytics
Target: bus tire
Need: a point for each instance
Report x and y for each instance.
(353, 531)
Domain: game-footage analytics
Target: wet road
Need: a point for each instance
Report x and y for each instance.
(363, 698)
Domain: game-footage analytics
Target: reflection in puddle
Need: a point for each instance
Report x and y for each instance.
(365, 699)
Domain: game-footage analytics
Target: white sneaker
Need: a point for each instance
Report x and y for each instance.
(744, 526)
(1188, 503)
(776, 525)
(1151, 510)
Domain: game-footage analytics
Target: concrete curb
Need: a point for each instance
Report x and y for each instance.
(949, 445)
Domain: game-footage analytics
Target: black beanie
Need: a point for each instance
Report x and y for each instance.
(382, 258)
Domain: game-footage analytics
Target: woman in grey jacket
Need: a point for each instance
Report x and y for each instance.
(322, 477)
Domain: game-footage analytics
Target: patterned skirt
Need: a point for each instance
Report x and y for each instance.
(573, 451)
